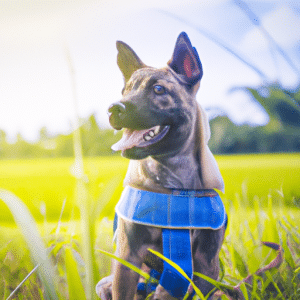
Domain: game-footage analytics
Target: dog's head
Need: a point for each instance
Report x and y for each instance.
(158, 108)
(159, 112)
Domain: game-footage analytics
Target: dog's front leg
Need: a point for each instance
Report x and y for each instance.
(206, 245)
(124, 283)
(129, 248)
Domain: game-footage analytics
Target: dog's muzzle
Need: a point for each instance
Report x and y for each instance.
(139, 135)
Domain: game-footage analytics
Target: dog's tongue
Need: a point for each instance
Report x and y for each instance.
(130, 138)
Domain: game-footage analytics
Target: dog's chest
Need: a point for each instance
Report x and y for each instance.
(152, 175)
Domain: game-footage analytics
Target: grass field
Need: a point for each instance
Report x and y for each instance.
(262, 193)
(46, 183)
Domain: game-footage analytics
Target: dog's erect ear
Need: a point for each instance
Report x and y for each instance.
(185, 60)
(128, 61)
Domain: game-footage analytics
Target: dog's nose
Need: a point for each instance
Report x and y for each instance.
(116, 114)
(117, 108)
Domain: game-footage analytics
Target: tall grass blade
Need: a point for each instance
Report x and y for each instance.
(222, 269)
(244, 291)
(82, 196)
(35, 244)
(256, 22)
(288, 255)
(232, 257)
(257, 210)
(269, 276)
(127, 264)
(60, 217)
(88, 238)
(254, 287)
(240, 264)
(217, 284)
(272, 235)
(289, 229)
(175, 266)
(75, 286)
(102, 205)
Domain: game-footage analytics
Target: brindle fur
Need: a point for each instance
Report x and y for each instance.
(181, 160)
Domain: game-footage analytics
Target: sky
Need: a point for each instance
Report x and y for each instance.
(39, 39)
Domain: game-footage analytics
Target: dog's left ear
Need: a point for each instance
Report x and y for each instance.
(128, 61)
(185, 60)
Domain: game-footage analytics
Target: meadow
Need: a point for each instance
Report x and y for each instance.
(72, 213)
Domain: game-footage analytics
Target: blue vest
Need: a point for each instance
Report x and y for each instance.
(183, 209)
(175, 213)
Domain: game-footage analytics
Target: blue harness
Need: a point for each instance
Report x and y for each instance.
(175, 213)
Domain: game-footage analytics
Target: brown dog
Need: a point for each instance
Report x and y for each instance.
(165, 135)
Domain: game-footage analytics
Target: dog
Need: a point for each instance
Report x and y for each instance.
(165, 136)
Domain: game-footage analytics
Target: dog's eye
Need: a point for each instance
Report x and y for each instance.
(159, 90)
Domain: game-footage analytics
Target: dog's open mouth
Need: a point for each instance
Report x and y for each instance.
(140, 138)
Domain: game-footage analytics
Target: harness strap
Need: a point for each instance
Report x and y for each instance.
(176, 247)
(175, 214)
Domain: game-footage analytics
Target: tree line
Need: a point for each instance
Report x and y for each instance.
(280, 134)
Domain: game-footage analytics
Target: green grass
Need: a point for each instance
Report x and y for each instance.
(50, 181)
(252, 176)
(260, 198)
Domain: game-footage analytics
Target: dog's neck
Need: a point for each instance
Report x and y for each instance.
(161, 174)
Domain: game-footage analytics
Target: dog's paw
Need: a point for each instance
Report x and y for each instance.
(104, 288)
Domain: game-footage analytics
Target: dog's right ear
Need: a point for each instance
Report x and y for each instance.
(128, 61)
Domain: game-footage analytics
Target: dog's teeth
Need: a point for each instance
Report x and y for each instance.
(151, 133)
(156, 130)
(147, 137)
